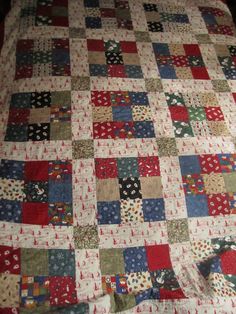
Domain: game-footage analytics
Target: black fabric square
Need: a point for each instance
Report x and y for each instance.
(232, 50)
(149, 7)
(40, 100)
(130, 188)
(114, 57)
(39, 132)
(155, 27)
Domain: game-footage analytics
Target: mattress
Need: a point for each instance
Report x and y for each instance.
(118, 158)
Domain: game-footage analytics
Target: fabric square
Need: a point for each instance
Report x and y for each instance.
(62, 290)
(135, 259)
(95, 45)
(180, 61)
(220, 86)
(112, 261)
(9, 260)
(60, 214)
(214, 183)
(93, 22)
(96, 57)
(214, 114)
(128, 46)
(147, 184)
(230, 182)
(218, 204)
(178, 230)
(40, 100)
(108, 213)
(61, 262)
(60, 171)
(35, 213)
(116, 284)
(119, 98)
(107, 190)
(113, 57)
(127, 167)
(20, 100)
(102, 114)
(189, 165)
(192, 50)
(133, 71)
(10, 211)
(106, 168)
(86, 237)
(167, 146)
(227, 162)
(167, 72)
(197, 205)
(36, 191)
(82, 149)
(60, 131)
(41, 115)
(36, 171)
(153, 209)
(131, 211)
(193, 184)
(138, 98)
(196, 114)
(18, 116)
(148, 166)
(11, 169)
(158, 257)
(60, 192)
(121, 113)
(228, 262)
(80, 83)
(153, 85)
(129, 188)
(16, 133)
(131, 58)
(144, 129)
(39, 132)
(179, 113)
(116, 70)
(200, 73)
(218, 128)
(12, 190)
(161, 49)
(155, 27)
(209, 164)
(34, 262)
(141, 113)
(139, 281)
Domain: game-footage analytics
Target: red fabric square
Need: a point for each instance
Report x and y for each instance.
(192, 50)
(18, 115)
(8, 310)
(171, 294)
(35, 213)
(103, 130)
(228, 262)
(180, 61)
(123, 130)
(62, 290)
(179, 113)
(44, 10)
(149, 166)
(60, 21)
(234, 95)
(24, 71)
(101, 98)
(116, 70)
(95, 45)
(218, 204)
(209, 163)
(36, 171)
(158, 257)
(9, 260)
(106, 168)
(214, 114)
(128, 46)
(106, 12)
(61, 3)
(61, 43)
(25, 45)
(200, 73)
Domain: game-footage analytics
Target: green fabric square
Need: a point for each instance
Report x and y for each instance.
(167, 146)
(220, 86)
(153, 85)
(112, 261)
(230, 181)
(123, 14)
(112, 46)
(142, 36)
(76, 32)
(86, 237)
(182, 129)
(122, 302)
(61, 262)
(82, 149)
(174, 99)
(60, 131)
(59, 11)
(203, 38)
(178, 230)
(34, 262)
(127, 167)
(59, 99)
(196, 114)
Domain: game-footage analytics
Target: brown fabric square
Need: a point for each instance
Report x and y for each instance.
(80, 83)
(108, 190)
(151, 187)
(95, 57)
(39, 115)
(102, 114)
(131, 58)
(60, 131)
(82, 149)
(178, 230)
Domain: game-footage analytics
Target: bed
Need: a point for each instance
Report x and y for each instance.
(118, 159)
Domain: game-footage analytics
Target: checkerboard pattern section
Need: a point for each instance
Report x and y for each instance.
(124, 192)
(36, 192)
(195, 114)
(42, 57)
(209, 184)
(121, 114)
(180, 61)
(44, 13)
(113, 58)
(166, 18)
(39, 116)
(217, 21)
(110, 14)
(227, 59)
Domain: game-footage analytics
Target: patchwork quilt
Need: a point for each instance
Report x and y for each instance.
(118, 157)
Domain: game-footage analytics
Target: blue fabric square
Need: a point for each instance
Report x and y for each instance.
(167, 72)
(60, 192)
(153, 209)
(16, 133)
(149, 294)
(62, 262)
(209, 19)
(24, 58)
(161, 49)
(60, 56)
(121, 113)
(10, 211)
(230, 74)
(144, 129)
(20, 100)
(91, 3)
(127, 167)
(135, 259)
(11, 169)
(93, 22)
(213, 265)
(196, 205)
(138, 98)
(189, 165)
(108, 213)
(98, 69)
(133, 71)
(180, 18)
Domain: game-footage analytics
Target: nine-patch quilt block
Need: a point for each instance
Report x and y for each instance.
(117, 157)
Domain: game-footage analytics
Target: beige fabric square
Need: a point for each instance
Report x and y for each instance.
(131, 211)
(131, 58)
(9, 290)
(93, 12)
(153, 16)
(102, 114)
(214, 183)
(139, 281)
(141, 113)
(108, 190)
(218, 128)
(60, 131)
(40, 115)
(222, 50)
(151, 187)
(209, 99)
(96, 57)
(176, 49)
(183, 73)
